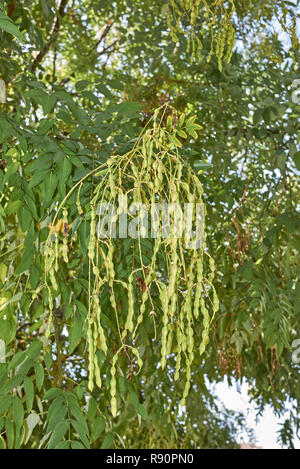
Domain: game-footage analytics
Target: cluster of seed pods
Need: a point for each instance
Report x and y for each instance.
(174, 295)
(218, 14)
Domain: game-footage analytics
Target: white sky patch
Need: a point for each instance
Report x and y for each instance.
(265, 426)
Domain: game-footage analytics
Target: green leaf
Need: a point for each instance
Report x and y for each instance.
(174, 141)
(39, 375)
(12, 383)
(104, 90)
(7, 25)
(38, 177)
(81, 85)
(34, 349)
(139, 408)
(56, 413)
(98, 428)
(50, 186)
(65, 169)
(92, 408)
(2, 443)
(75, 332)
(7, 325)
(26, 261)
(13, 206)
(51, 394)
(18, 413)
(77, 445)
(76, 412)
(108, 441)
(25, 218)
(16, 360)
(63, 445)
(296, 158)
(48, 361)
(10, 432)
(5, 402)
(126, 108)
(44, 126)
(58, 433)
(190, 130)
(80, 429)
(29, 393)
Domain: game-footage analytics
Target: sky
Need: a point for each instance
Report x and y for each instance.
(268, 424)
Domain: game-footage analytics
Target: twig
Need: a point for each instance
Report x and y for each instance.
(53, 35)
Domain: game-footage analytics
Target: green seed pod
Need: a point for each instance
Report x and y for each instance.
(173, 269)
(206, 322)
(97, 374)
(113, 405)
(164, 301)
(179, 171)
(129, 320)
(135, 170)
(91, 358)
(78, 204)
(53, 279)
(139, 360)
(92, 242)
(212, 269)
(65, 239)
(56, 253)
(100, 331)
(178, 360)
(198, 292)
(169, 342)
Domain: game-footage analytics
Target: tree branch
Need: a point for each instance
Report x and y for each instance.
(53, 35)
(104, 34)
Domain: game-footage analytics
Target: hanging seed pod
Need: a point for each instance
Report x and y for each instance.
(50, 319)
(113, 390)
(179, 170)
(179, 337)
(96, 365)
(169, 342)
(139, 360)
(129, 320)
(101, 335)
(56, 253)
(91, 355)
(113, 189)
(92, 242)
(65, 239)
(149, 149)
(135, 170)
(78, 204)
(164, 302)
(187, 384)
(198, 292)
(206, 321)
(212, 269)
(142, 308)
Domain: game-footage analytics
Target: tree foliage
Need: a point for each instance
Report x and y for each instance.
(81, 82)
